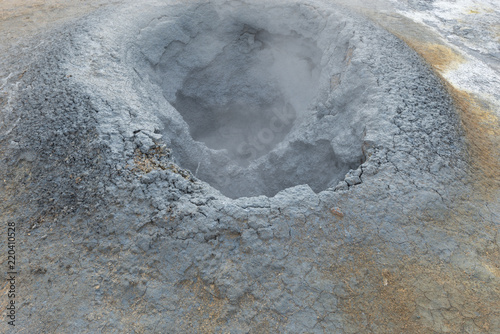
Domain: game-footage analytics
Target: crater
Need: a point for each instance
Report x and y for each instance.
(266, 103)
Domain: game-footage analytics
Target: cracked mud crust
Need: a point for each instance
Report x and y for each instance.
(479, 117)
(117, 235)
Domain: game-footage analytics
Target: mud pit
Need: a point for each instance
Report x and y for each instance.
(253, 95)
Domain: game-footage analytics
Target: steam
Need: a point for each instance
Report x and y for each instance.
(247, 98)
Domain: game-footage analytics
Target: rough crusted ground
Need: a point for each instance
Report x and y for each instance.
(126, 241)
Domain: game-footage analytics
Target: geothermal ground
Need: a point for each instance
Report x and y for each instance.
(250, 167)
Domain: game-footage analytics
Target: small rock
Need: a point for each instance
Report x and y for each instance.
(353, 180)
(336, 212)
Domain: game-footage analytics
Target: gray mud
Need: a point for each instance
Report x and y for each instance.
(237, 167)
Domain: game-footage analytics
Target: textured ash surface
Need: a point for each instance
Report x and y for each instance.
(115, 237)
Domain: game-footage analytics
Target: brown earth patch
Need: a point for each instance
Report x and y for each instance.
(413, 296)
